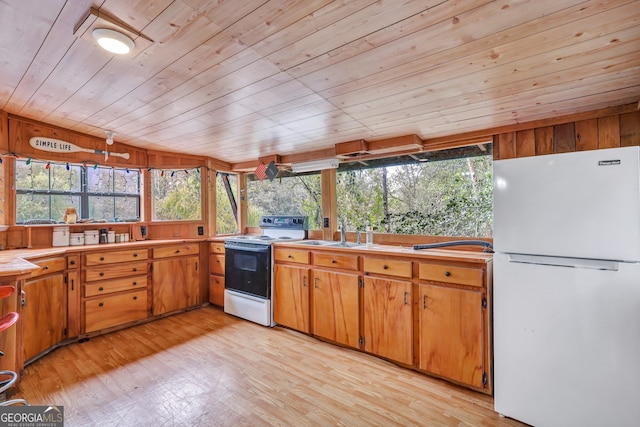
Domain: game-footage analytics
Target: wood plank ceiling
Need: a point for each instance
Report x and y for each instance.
(237, 80)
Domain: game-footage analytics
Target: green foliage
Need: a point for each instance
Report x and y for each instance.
(177, 197)
(451, 197)
(294, 195)
(225, 220)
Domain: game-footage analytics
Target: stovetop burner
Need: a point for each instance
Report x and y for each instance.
(276, 228)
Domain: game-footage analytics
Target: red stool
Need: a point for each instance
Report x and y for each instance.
(7, 321)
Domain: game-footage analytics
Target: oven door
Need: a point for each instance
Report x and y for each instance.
(248, 268)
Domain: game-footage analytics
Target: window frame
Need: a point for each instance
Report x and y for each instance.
(83, 193)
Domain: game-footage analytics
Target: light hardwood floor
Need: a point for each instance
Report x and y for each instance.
(205, 368)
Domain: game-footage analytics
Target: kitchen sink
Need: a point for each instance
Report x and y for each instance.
(314, 242)
(343, 245)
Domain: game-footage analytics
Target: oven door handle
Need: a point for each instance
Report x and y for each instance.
(264, 249)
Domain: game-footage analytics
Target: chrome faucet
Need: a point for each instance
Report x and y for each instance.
(343, 232)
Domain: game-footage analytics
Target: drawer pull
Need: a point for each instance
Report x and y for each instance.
(177, 251)
(135, 255)
(101, 258)
(333, 261)
(385, 267)
(135, 269)
(101, 288)
(289, 256)
(446, 273)
(101, 274)
(72, 262)
(101, 304)
(135, 298)
(135, 283)
(46, 267)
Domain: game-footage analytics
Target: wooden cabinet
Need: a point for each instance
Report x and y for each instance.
(388, 318)
(176, 278)
(114, 288)
(452, 335)
(336, 307)
(45, 307)
(453, 319)
(115, 309)
(216, 274)
(291, 297)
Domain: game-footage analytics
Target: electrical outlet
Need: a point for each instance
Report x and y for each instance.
(200, 230)
(326, 222)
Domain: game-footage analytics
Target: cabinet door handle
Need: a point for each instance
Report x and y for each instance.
(446, 273)
(72, 284)
(101, 304)
(315, 283)
(72, 262)
(405, 297)
(385, 267)
(304, 281)
(101, 288)
(101, 258)
(424, 302)
(101, 274)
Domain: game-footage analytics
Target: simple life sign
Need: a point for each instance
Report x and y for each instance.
(58, 146)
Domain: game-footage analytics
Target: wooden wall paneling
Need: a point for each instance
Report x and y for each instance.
(564, 138)
(174, 230)
(525, 143)
(586, 134)
(329, 209)
(506, 146)
(242, 202)
(630, 129)
(544, 140)
(609, 132)
(21, 130)
(4, 131)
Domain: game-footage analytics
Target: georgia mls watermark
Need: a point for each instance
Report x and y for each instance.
(31, 416)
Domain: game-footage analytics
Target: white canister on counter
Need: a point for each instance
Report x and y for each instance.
(60, 236)
(111, 236)
(91, 237)
(76, 239)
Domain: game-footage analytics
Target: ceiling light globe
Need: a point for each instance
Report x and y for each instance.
(113, 41)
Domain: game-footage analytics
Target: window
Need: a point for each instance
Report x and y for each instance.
(452, 197)
(226, 203)
(177, 195)
(286, 195)
(45, 189)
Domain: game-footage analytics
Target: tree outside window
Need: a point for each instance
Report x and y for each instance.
(177, 195)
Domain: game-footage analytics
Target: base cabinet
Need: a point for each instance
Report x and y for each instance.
(291, 304)
(216, 274)
(336, 307)
(112, 310)
(176, 284)
(44, 314)
(388, 319)
(451, 323)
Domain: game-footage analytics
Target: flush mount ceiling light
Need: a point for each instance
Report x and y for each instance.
(113, 41)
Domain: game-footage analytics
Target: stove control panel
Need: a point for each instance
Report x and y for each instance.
(295, 222)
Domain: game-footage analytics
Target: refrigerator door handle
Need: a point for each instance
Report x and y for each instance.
(594, 264)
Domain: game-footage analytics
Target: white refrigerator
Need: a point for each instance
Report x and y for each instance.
(566, 294)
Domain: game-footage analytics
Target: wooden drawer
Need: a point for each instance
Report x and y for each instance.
(117, 285)
(216, 248)
(452, 274)
(291, 255)
(73, 261)
(48, 266)
(389, 267)
(327, 259)
(101, 258)
(176, 250)
(216, 264)
(115, 271)
(114, 310)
